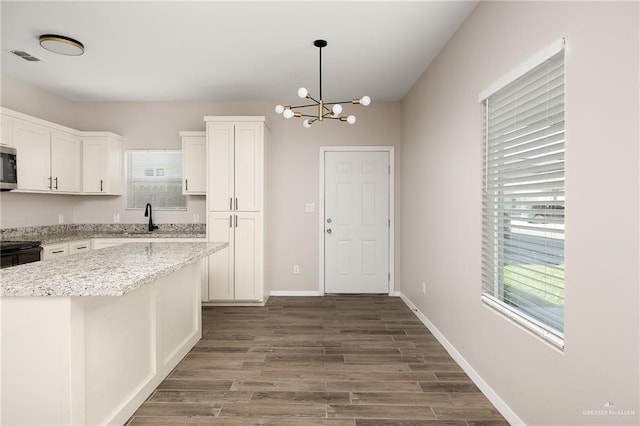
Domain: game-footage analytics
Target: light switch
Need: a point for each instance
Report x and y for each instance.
(310, 207)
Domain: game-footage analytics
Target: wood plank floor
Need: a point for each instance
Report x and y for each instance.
(333, 360)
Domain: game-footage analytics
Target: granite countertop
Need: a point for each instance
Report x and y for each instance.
(75, 236)
(111, 271)
(54, 234)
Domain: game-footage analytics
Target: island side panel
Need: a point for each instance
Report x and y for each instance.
(119, 334)
(179, 316)
(160, 333)
(35, 361)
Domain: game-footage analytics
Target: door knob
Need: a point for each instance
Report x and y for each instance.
(328, 230)
(329, 220)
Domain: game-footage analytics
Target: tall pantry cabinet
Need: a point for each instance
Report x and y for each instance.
(236, 148)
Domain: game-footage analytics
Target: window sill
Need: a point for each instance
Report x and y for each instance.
(553, 338)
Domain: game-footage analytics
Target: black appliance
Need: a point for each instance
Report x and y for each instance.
(8, 168)
(18, 252)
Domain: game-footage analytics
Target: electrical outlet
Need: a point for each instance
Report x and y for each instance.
(196, 217)
(310, 208)
(296, 269)
(424, 288)
(61, 218)
(116, 218)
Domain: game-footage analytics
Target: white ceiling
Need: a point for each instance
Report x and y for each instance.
(228, 51)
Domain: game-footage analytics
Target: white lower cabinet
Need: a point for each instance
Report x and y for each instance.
(81, 246)
(53, 251)
(236, 274)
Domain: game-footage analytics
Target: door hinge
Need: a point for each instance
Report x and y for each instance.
(389, 276)
(389, 169)
(389, 222)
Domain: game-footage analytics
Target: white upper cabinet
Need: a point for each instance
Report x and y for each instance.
(6, 127)
(57, 159)
(235, 166)
(102, 164)
(66, 162)
(194, 163)
(33, 146)
(47, 160)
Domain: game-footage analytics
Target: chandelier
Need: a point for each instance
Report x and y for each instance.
(325, 110)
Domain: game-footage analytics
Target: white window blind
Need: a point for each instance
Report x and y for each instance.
(523, 200)
(154, 177)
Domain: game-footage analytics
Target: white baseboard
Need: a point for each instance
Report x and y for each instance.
(495, 399)
(295, 293)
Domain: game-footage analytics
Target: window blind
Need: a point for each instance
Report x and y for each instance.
(523, 200)
(154, 177)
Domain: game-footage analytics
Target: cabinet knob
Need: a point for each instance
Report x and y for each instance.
(329, 231)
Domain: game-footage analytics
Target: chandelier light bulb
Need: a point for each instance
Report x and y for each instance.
(302, 92)
(365, 101)
(288, 113)
(351, 119)
(279, 109)
(337, 109)
(306, 123)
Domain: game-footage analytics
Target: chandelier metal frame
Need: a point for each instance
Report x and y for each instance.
(325, 110)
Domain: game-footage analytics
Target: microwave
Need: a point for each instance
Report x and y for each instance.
(8, 168)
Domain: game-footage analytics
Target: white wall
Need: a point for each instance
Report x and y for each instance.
(441, 208)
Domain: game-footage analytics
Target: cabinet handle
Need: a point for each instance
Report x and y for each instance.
(81, 248)
(230, 203)
(101, 185)
(50, 182)
(56, 179)
(57, 251)
(236, 203)
(236, 221)
(186, 184)
(230, 221)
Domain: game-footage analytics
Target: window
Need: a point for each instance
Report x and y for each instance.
(154, 177)
(523, 199)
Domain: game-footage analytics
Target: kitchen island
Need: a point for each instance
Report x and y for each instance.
(85, 339)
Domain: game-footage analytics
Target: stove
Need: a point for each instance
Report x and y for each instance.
(14, 253)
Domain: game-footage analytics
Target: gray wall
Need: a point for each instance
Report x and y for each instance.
(441, 208)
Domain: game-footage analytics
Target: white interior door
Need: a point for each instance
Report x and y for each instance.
(356, 222)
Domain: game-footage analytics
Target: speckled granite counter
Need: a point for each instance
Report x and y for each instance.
(54, 234)
(112, 271)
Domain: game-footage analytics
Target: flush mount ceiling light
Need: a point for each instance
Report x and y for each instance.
(326, 110)
(61, 45)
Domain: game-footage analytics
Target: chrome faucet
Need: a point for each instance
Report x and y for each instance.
(147, 212)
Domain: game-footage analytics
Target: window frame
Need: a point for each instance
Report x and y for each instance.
(156, 205)
(495, 231)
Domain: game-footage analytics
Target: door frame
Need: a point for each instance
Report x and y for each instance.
(390, 151)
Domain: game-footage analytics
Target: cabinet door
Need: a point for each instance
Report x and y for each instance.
(94, 165)
(34, 156)
(248, 166)
(220, 163)
(221, 270)
(5, 130)
(194, 161)
(248, 256)
(66, 162)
